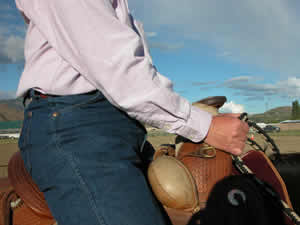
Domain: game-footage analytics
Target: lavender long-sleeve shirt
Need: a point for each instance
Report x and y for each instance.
(78, 46)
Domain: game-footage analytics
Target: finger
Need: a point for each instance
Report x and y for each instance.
(238, 149)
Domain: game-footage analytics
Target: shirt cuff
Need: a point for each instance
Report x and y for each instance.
(197, 125)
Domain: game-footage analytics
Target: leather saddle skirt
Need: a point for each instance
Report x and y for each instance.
(29, 206)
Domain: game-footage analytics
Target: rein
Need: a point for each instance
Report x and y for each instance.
(244, 169)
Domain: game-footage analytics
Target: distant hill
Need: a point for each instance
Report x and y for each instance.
(273, 115)
(11, 110)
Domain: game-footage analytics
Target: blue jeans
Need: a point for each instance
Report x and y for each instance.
(83, 153)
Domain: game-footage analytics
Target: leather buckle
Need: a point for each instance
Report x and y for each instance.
(205, 151)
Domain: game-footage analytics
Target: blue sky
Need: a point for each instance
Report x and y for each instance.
(246, 50)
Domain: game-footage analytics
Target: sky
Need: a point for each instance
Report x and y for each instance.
(245, 50)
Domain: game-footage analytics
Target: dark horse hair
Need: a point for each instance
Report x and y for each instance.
(239, 200)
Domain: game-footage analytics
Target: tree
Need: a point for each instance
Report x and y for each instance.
(295, 110)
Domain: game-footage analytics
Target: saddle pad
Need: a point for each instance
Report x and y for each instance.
(263, 168)
(288, 166)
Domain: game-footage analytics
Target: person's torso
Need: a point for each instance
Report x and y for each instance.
(46, 71)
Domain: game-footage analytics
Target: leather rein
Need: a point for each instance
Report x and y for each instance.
(244, 169)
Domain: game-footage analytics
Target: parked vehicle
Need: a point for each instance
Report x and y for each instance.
(271, 128)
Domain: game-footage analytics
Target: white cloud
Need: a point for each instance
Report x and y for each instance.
(166, 46)
(151, 34)
(231, 107)
(11, 49)
(247, 86)
(14, 48)
(239, 79)
(290, 87)
(12, 34)
(260, 32)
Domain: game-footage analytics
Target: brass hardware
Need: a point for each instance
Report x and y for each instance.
(205, 151)
(55, 114)
(29, 114)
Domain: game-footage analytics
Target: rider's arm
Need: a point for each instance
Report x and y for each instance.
(98, 39)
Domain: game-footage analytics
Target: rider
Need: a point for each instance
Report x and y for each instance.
(88, 82)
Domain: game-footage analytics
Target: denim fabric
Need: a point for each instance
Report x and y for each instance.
(83, 153)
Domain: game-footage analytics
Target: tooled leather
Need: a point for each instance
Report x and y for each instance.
(205, 171)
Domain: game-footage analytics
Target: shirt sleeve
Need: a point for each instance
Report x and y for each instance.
(106, 49)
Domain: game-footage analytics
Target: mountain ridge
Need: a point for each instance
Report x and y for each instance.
(12, 110)
(274, 115)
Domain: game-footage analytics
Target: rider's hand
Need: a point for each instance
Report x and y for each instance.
(227, 133)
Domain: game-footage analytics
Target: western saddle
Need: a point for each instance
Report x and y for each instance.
(22, 203)
(181, 177)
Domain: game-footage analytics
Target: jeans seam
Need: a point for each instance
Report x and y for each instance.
(82, 183)
(24, 142)
(28, 130)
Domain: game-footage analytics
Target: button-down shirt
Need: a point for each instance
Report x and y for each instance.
(74, 47)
